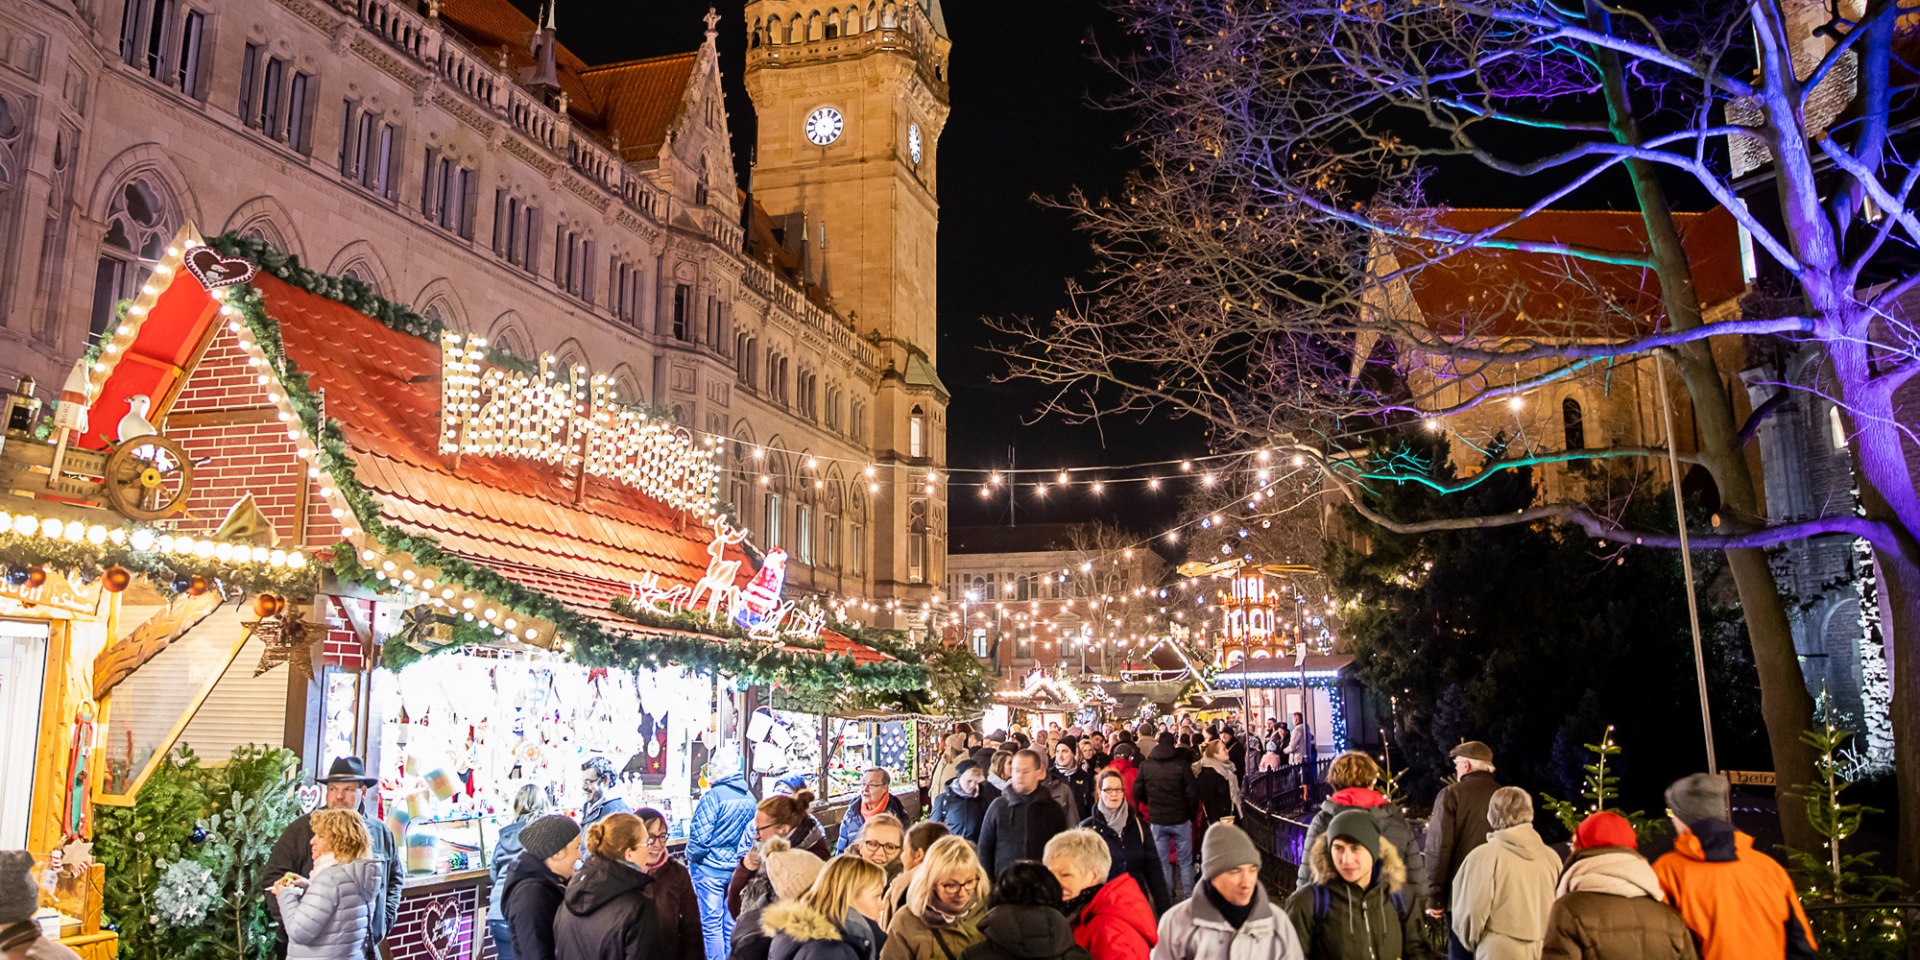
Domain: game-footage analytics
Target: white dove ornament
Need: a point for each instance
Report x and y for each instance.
(134, 425)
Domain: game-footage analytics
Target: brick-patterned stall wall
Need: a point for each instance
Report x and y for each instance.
(239, 446)
(343, 648)
(440, 922)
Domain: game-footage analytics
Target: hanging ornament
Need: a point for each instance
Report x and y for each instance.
(288, 638)
(37, 577)
(115, 579)
(266, 605)
(198, 836)
(196, 586)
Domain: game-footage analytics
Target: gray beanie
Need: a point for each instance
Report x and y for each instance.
(1226, 847)
(1699, 797)
(19, 895)
(548, 835)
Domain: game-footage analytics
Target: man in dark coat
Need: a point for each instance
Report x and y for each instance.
(1166, 787)
(1022, 819)
(536, 884)
(1457, 827)
(346, 783)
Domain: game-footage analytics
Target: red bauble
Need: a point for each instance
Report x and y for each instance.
(116, 578)
(37, 577)
(196, 586)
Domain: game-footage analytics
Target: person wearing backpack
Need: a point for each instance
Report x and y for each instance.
(608, 913)
(1358, 906)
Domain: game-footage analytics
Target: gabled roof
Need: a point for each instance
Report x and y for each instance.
(640, 99)
(1502, 293)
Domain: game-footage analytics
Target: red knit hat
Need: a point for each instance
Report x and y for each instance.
(1605, 829)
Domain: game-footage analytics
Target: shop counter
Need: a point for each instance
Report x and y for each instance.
(93, 946)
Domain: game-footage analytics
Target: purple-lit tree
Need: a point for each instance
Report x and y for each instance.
(1249, 269)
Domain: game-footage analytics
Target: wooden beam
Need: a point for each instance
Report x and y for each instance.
(224, 418)
(118, 662)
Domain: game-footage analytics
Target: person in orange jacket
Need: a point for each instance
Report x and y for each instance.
(1738, 902)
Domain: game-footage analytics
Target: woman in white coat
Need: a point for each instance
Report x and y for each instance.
(328, 915)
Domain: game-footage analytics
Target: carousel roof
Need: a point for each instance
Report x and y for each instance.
(522, 519)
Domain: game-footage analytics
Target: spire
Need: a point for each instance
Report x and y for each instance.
(546, 76)
(546, 14)
(713, 25)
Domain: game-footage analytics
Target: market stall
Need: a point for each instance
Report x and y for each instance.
(526, 573)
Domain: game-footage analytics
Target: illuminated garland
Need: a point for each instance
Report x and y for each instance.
(169, 562)
(588, 642)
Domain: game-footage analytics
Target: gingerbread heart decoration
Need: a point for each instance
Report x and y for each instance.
(213, 270)
(441, 926)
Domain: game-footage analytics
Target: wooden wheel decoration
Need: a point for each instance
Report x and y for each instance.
(148, 478)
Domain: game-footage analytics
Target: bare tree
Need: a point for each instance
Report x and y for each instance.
(1248, 271)
(1108, 571)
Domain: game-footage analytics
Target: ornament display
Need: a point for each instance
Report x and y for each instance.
(184, 895)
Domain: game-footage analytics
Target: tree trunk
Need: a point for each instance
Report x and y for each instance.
(1785, 706)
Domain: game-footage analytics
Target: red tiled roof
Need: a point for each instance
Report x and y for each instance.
(1502, 293)
(637, 99)
(640, 99)
(516, 517)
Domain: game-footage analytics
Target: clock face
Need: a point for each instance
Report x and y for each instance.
(824, 126)
(913, 142)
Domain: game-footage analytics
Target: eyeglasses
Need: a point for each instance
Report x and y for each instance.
(761, 830)
(656, 839)
(959, 886)
(882, 847)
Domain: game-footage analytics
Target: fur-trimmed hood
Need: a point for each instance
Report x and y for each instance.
(798, 921)
(1391, 867)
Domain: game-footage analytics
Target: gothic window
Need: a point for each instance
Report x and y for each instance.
(370, 150)
(449, 193)
(139, 221)
(917, 433)
(916, 540)
(166, 40)
(803, 523)
(1574, 422)
(833, 25)
(753, 41)
(830, 523)
(700, 184)
(12, 136)
(516, 230)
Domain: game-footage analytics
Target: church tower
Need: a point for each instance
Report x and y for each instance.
(851, 98)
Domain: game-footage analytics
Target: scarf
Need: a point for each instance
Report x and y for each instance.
(1080, 902)
(936, 917)
(1226, 772)
(1116, 818)
(324, 861)
(868, 811)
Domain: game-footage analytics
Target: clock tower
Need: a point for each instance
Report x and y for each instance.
(851, 98)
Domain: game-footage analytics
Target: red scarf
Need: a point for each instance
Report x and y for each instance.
(869, 811)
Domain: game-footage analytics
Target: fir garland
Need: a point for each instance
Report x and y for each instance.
(168, 573)
(592, 644)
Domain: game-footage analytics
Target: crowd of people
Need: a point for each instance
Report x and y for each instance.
(1076, 843)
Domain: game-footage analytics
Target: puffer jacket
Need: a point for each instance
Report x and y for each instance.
(722, 827)
(854, 821)
(1338, 920)
(1457, 827)
(1738, 902)
(1611, 908)
(963, 814)
(910, 938)
(1195, 930)
(331, 918)
(1118, 924)
(1503, 895)
(1132, 854)
(1166, 785)
(800, 932)
(1019, 932)
(505, 852)
(607, 914)
(1394, 828)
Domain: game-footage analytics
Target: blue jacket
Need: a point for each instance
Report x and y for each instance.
(854, 821)
(505, 852)
(722, 826)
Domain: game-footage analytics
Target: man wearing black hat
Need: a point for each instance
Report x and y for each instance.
(1458, 826)
(346, 782)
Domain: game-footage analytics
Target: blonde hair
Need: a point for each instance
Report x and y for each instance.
(1214, 748)
(613, 837)
(845, 876)
(950, 858)
(529, 801)
(1081, 847)
(1352, 769)
(344, 832)
(885, 820)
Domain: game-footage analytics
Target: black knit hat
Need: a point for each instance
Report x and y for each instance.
(548, 835)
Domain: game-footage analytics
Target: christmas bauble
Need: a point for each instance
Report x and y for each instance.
(266, 605)
(116, 578)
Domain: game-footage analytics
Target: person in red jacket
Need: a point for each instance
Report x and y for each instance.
(1111, 918)
(1739, 903)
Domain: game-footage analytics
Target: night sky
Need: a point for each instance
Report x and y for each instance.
(1024, 123)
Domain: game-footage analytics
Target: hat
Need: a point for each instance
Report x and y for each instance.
(349, 770)
(1473, 750)
(1701, 796)
(1226, 847)
(962, 767)
(19, 895)
(792, 872)
(548, 835)
(1357, 826)
(792, 782)
(1605, 829)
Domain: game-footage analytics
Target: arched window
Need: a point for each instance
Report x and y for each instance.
(138, 224)
(700, 184)
(833, 25)
(917, 433)
(12, 132)
(1574, 422)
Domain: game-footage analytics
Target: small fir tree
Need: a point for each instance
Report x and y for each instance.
(1834, 876)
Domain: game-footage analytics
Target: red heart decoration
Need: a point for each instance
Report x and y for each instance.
(213, 270)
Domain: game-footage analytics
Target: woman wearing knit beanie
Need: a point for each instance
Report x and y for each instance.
(1358, 906)
(20, 937)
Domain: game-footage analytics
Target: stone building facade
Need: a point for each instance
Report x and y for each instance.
(456, 157)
